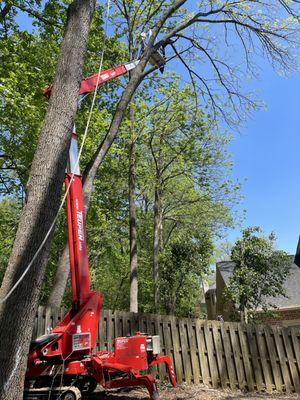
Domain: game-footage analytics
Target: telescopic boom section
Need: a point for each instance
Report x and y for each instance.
(79, 265)
(89, 84)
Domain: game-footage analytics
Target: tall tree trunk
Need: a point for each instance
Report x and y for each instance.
(92, 168)
(60, 279)
(132, 217)
(44, 190)
(157, 242)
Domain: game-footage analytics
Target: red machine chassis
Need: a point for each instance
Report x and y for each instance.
(65, 356)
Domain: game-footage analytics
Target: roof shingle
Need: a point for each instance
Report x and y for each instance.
(292, 284)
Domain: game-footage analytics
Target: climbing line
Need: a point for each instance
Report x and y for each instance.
(10, 292)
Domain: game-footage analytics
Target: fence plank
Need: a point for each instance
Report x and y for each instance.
(263, 357)
(245, 355)
(49, 318)
(151, 325)
(40, 322)
(210, 350)
(254, 358)
(295, 335)
(291, 361)
(135, 324)
(177, 350)
(228, 355)
(281, 354)
(184, 350)
(109, 330)
(56, 316)
(167, 336)
(237, 356)
(273, 358)
(202, 353)
(118, 324)
(101, 330)
(216, 331)
(193, 351)
(142, 324)
(161, 369)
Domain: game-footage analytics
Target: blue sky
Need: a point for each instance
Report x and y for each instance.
(265, 153)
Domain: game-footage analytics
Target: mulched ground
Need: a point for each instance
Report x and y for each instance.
(194, 392)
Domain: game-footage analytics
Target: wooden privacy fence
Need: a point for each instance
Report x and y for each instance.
(228, 355)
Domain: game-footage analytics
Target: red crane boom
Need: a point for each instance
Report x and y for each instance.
(89, 84)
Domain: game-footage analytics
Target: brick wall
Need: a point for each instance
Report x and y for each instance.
(285, 317)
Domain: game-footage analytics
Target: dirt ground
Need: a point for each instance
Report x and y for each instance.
(195, 392)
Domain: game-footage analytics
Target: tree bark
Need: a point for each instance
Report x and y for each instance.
(157, 242)
(44, 190)
(4, 11)
(60, 279)
(132, 218)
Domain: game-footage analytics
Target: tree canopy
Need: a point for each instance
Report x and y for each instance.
(259, 273)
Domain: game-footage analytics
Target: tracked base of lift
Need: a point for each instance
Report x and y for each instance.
(55, 393)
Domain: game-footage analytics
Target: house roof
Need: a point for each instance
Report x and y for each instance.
(292, 284)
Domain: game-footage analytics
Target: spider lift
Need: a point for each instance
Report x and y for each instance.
(63, 364)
